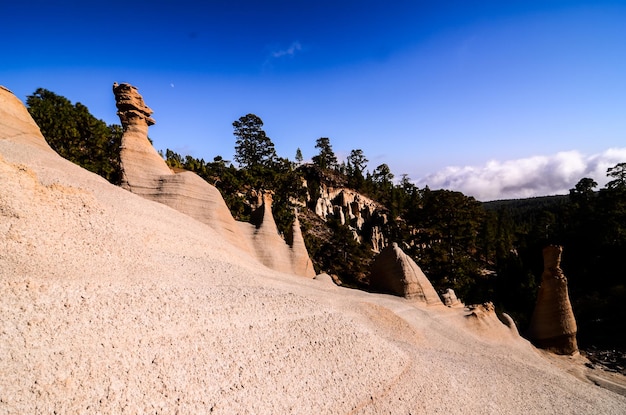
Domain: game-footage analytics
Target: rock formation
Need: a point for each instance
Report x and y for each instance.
(508, 321)
(395, 272)
(199, 327)
(483, 319)
(553, 325)
(267, 242)
(271, 249)
(145, 173)
(141, 164)
(301, 262)
(17, 122)
(450, 299)
(362, 214)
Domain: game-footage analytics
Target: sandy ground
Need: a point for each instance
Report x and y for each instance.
(113, 304)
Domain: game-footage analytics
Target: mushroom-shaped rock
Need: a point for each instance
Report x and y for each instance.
(130, 106)
(141, 164)
(553, 326)
(395, 272)
(144, 172)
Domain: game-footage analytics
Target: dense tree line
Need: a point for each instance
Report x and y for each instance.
(591, 227)
(485, 251)
(77, 135)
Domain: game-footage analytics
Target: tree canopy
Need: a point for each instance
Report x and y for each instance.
(299, 157)
(77, 135)
(355, 167)
(618, 174)
(326, 158)
(253, 147)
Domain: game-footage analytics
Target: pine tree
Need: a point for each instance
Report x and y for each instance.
(77, 135)
(326, 158)
(253, 147)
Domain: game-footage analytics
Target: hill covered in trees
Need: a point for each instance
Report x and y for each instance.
(484, 251)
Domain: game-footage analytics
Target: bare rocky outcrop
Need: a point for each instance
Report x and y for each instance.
(142, 167)
(145, 173)
(364, 216)
(553, 326)
(508, 321)
(395, 272)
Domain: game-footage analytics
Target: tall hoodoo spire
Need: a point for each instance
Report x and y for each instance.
(553, 325)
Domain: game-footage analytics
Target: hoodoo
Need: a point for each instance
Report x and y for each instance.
(395, 272)
(144, 172)
(553, 325)
(270, 247)
(301, 261)
(112, 303)
(141, 164)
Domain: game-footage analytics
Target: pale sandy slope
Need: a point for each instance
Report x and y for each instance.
(113, 304)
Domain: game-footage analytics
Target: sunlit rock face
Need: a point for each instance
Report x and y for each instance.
(395, 272)
(16, 122)
(132, 110)
(141, 164)
(553, 326)
(95, 292)
(270, 247)
(144, 172)
(362, 214)
(301, 262)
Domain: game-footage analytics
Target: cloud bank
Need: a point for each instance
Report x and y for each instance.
(526, 177)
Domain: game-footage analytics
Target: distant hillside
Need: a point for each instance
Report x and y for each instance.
(527, 203)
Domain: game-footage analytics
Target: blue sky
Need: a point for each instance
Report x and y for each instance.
(496, 99)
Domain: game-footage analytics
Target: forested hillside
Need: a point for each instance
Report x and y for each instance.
(484, 251)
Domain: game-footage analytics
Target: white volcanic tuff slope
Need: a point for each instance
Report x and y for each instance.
(145, 173)
(395, 272)
(111, 303)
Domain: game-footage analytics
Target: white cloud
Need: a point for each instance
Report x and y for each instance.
(290, 51)
(527, 177)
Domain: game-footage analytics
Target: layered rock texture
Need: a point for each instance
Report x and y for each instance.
(363, 215)
(553, 325)
(395, 272)
(103, 311)
(270, 247)
(142, 166)
(17, 124)
(145, 173)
